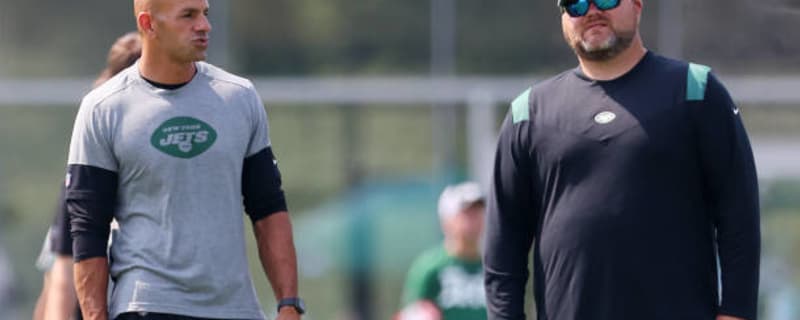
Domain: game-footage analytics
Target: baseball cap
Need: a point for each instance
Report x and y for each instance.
(456, 198)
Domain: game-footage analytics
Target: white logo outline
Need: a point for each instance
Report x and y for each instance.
(604, 117)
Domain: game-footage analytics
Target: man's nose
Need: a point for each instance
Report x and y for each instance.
(204, 24)
(592, 9)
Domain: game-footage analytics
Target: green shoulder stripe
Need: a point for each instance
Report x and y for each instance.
(696, 81)
(520, 109)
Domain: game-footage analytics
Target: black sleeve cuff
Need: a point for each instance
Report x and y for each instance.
(60, 236)
(89, 246)
(91, 198)
(261, 186)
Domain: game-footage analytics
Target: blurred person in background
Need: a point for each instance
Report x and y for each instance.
(631, 176)
(446, 282)
(175, 150)
(57, 299)
(7, 303)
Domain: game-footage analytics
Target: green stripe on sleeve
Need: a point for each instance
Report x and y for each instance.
(696, 81)
(520, 110)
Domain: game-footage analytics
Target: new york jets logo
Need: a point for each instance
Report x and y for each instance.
(605, 117)
(183, 137)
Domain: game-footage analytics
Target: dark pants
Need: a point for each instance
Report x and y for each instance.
(154, 316)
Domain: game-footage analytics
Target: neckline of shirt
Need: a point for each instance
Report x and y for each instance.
(580, 75)
(461, 260)
(167, 86)
(170, 88)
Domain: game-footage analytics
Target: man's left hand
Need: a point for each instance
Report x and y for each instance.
(722, 317)
(289, 313)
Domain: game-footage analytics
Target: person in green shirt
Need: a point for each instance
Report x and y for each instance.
(446, 282)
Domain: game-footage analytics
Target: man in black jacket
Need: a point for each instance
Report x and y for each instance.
(631, 176)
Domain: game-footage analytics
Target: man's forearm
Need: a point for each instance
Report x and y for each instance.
(61, 294)
(277, 253)
(91, 285)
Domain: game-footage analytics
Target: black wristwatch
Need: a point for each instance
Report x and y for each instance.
(293, 302)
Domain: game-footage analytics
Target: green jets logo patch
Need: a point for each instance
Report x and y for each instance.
(183, 137)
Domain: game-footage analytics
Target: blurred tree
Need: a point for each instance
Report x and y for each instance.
(283, 37)
(335, 36)
(61, 38)
(745, 36)
(511, 37)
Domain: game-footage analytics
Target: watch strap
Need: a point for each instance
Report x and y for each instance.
(293, 302)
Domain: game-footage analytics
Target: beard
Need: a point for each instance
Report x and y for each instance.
(617, 42)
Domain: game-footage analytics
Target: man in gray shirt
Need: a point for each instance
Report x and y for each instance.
(175, 150)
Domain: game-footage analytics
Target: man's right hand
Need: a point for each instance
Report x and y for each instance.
(724, 317)
(288, 313)
(420, 310)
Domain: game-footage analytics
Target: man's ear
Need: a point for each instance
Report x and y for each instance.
(638, 4)
(145, 23)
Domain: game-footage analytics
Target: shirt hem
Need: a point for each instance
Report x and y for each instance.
(244, 314)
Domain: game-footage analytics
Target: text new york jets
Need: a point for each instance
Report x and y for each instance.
(183, 137)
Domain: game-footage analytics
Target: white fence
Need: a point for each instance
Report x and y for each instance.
(395, 90)
(775, 158)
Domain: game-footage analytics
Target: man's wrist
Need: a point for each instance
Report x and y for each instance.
(288, 310)
(727, 317)
(293, 303)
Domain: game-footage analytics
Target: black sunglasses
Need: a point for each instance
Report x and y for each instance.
(579, 8)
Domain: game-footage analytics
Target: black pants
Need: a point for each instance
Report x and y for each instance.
(154, 316)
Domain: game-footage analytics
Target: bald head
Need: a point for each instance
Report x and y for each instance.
(152, 7)
(140, 6)
(173, 32)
